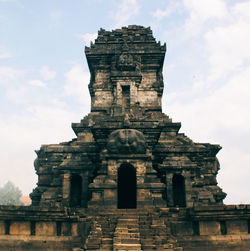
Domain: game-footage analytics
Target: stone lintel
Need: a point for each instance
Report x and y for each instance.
(183, 149)
(100, 186)
(126, 156)
(177, 168)
(80, 166)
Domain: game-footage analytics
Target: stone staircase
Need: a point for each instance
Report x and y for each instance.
(127, 234)
(155, 234)
(101, 234)
(130, 230)
(94, 238)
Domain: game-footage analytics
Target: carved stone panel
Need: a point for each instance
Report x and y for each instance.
(126, 141)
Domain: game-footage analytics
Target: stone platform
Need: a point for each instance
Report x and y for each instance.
(202, 228)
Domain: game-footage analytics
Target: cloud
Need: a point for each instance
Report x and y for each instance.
(87, 37)
(242, 10)
(9, 75)
(24, 133)
(126, 10)
(37, 83)
(56, 15)
(47, 74)
(171, 8)
(234, 174)
(7, 1)
(226, 106)
(207, 9)
(17, 88)
(202, 11)
(22, 94)
(76, 84)
(4, 52)
(55, 19)
(228, 45)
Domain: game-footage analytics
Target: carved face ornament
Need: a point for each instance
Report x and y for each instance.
(126, 141)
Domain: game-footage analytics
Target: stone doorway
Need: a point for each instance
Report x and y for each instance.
(75, 190)
(179, 191)
(126, 186)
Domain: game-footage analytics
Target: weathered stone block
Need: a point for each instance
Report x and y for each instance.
(96, 196)
(74, 229)
(182, 228)
(209, 227)
(20, 228)
(86, 137)
(46, 228)
(66, 228)
(2, 227)
(110, 194)
(103, 99)
(142, 194)
(237, 226)
(148, 79)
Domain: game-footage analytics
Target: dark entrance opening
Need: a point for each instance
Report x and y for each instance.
(126, 186)
(179, 190)
(75, 190)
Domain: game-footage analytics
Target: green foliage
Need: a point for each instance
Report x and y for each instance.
(10, 194)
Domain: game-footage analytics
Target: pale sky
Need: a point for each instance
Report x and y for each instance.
(44, 76)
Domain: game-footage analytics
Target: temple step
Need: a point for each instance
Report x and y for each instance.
(127, 230)
(127, 235)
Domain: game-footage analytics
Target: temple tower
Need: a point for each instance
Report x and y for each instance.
(127, 154)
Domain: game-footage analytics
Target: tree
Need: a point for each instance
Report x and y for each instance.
(10, 194)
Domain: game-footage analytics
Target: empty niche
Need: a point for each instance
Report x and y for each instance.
(179, 195)
(126, 97)
(75, 190)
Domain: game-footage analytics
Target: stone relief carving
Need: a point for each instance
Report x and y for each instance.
(126, 62)
(126, 141)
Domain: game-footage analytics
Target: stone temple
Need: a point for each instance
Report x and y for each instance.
(129, 180)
